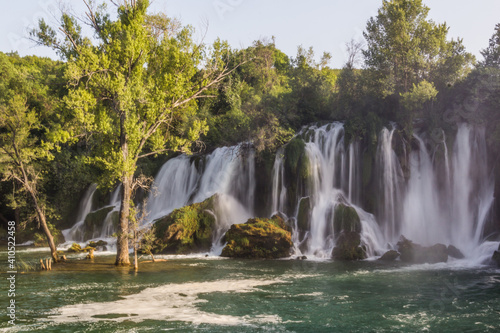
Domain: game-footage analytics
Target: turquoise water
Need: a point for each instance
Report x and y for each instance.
(223, 295)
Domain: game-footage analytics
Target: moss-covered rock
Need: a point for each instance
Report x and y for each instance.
(94, 222)
(348, 247)
(187, 229)
(347, 228)
(259, 238)
(346, 219)
(418, 254)
(99, 245)
(75, 248)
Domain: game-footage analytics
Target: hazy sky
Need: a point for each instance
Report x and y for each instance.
(325, 25)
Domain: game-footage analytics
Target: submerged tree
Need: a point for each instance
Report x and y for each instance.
(134, 87)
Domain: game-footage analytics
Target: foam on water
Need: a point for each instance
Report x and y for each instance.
(171, 302)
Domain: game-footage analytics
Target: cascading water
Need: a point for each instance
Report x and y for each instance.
(438, 195)
(391, 179)
(108, 228)
(452, 210)
(228, 172)
(75, 233)
(333, 179)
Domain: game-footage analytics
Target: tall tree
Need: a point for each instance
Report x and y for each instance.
(134, 88)
(21, 138)
(491, 54)
(404, 47)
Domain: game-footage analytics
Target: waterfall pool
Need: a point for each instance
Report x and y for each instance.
(212, 294)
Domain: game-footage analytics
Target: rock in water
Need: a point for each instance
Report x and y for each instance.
(496, 257)
(304, 215)
(94, 222)
(75, 247)
(418, 254)
(259, 238)
(347, 247)
(454, 252)
(188, 229)
(390, 255)
(347, 225)
(346, 219)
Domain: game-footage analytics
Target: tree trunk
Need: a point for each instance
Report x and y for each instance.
(136, 264)
(122, 255)
(45, 228)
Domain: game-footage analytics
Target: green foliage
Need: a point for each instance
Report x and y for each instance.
(40, 239)
(418, 95)
(269, 97)
(491, 54)
(402, 45)
(413, 101)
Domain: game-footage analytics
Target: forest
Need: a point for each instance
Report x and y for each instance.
(121, 102)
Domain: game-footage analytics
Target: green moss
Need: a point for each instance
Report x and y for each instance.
(346, 219)
(75, 248)
(297, 171)
(99, 243)
(296, 159)
(259, 238)
(187, 229)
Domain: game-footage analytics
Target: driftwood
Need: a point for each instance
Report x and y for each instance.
(156, 260)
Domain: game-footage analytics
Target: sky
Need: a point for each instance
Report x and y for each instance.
(326, 25)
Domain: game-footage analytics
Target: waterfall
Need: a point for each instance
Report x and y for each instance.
(422, 216)
(428, 209)
(429, 193)
(333, 179)
(227, 171)
(75, 233)
(108, 227)
(391, 178)
(278, 185)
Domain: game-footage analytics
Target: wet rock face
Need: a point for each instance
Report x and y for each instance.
(454, 252)
(188, 229)
(348, 247)
(347, 225)
(259, 239)
(390, 255)
(496, 257)
(94, 222)
(418, 254)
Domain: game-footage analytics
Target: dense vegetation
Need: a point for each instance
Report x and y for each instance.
(141, 88)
